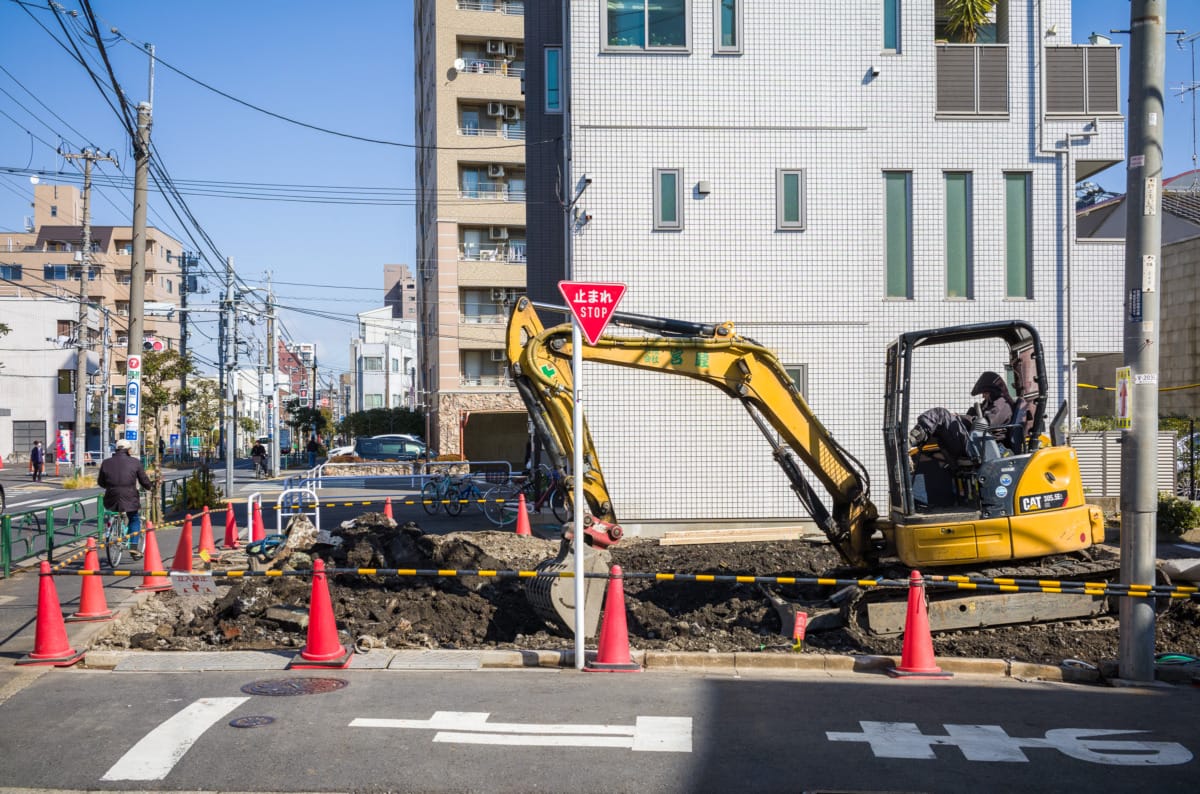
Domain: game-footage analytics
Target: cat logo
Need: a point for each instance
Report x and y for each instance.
(1043, 501)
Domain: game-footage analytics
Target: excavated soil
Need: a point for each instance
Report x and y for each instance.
(475, 613)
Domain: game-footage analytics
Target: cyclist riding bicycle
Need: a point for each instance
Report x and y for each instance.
(259, 455)
(120, 476)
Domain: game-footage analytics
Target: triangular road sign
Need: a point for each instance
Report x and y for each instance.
(592, 303)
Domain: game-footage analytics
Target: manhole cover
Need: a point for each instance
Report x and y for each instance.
(282, 687)
(251, 722)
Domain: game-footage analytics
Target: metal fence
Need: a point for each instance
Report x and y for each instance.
(1100, 461)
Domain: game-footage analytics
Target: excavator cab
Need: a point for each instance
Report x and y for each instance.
(964, 491)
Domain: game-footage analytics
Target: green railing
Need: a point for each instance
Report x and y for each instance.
(37, 533)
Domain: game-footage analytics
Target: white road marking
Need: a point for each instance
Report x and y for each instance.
(649, 734)
(1188, 546)
(156, 754)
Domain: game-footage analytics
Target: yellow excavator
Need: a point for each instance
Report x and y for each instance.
(988, 495)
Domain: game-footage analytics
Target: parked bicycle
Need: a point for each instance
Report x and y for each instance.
(544, 487)
(467, 491)
(441, 489)
(117, 538)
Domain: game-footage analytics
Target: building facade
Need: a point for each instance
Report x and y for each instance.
(44, 262)
(826, 175)
(471, 244)
(384, 358)
(400, 291)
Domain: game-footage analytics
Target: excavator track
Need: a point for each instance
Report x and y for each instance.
(884, 612)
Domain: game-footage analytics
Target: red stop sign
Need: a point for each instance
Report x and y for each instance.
(593, 304)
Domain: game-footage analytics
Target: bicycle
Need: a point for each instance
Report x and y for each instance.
(440, 489)
(502, 503)
(116, 538)
(466, 490)
(260, 468)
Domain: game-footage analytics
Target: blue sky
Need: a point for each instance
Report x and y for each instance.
(342, 66)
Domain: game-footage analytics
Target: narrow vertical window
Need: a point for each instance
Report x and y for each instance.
(728, 25)
(789, 200)
(958, 235)
(554, 79)
(898, 226)
(1017, 241)
(668, 199)
(891, 25)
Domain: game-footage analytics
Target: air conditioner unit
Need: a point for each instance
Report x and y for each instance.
(498, 355)
(495, 47)
(495, 169)
(122, 341)
(496, 109)
(499, 295)
(498, 233)
(512, 112)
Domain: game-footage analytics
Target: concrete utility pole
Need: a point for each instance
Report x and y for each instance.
(104, 389)
(273, 395)
(184, 263)
(88, 156)
(137, 270)
(1143, 249)
(230, 320)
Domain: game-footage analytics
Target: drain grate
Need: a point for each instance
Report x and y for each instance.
(283, 687)
(251, 722)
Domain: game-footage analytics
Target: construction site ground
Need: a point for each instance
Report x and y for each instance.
(487, 613)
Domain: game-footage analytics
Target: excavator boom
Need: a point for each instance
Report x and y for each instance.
(540, 360)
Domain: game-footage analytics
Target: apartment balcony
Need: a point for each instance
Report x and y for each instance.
(511, 132)
(506, 252)
(497, 191)
(489, 381)
(972, 80)
(506, 7)
(503, 68)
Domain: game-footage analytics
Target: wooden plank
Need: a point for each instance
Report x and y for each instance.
(886, 618)
(702, 536)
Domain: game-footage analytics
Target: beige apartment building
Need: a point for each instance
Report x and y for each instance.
(42, 262)
(470, 130)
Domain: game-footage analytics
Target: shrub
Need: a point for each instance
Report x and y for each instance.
(83, 481)
(1176, 516)
(200, 491)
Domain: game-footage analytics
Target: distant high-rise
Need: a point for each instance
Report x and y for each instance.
(400, 291)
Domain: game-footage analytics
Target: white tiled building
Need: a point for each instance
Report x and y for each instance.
(826, 175)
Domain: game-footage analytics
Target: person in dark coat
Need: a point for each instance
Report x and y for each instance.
(37, 459)
(313, 448)
(120, 476)
(997, 406)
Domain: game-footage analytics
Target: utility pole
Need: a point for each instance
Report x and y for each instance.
(184, 262)
(1143, 250)
(105, 428)
(230, 320)
(88, 156)
(273, 398)
(137, 270)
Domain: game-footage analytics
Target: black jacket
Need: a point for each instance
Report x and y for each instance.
(119, 477)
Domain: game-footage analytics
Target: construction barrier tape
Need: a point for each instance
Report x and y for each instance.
(981, 585)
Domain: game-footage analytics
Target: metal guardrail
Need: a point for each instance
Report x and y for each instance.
(34, 533)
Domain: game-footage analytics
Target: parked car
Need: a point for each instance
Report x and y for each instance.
(337, 451)
(391, 448)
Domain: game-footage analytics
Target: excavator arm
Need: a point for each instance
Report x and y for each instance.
(540, 360)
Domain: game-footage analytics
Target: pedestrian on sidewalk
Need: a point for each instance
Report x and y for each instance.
(312, 449)
(37, 460)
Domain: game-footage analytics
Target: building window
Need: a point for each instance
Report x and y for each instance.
(729, 25)
(668, 199)
(372, 401)
(646, 24)
(395, 365)
(958, 236)
(53, 210)
(799, 375)
(66, 381)
(65, 327)
(1017, 242)
(372, 363)
(554, 79)
(55, 272)
(10, 272)
(898, 223)
(789, 200)
(891, 25)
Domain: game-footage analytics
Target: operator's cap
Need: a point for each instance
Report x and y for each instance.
(989, 382)
(123, 444)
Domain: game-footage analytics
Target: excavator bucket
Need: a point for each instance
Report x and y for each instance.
(553, 597)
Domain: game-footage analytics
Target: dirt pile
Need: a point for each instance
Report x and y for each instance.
(475, 612)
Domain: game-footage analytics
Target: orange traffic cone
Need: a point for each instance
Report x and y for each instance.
(613, 654)
(523, 517)
(206, 535)
(92, 606)
(387, 508)
(152, 562)
(231, 529)
(50, 645)
(916, 657)
(259, 533)
(182, 561)
(322, 648)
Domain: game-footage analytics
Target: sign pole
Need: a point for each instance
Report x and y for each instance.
(578, 500)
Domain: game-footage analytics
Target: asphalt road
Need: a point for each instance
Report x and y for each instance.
(539, 730)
